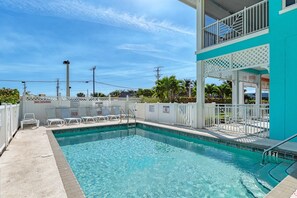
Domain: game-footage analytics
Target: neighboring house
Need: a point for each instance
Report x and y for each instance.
(253, 42)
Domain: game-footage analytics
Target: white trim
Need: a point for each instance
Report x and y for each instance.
(237, 40)
(288, 9)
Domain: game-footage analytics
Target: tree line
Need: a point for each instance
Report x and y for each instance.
(171, 89)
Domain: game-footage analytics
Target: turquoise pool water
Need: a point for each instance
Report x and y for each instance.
(145, 162)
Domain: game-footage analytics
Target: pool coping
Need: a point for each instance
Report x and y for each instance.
(70, 183)
(284, 189)
(204, 134)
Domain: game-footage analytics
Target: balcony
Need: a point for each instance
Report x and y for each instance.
(250, 20)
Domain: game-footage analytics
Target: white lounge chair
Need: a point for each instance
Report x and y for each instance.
(116, 113)
(82, 112)
(98, 115)
(52, 118)
(69, 116)
(29, 118)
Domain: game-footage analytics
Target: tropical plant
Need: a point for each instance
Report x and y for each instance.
(11, 96)
(115, 93)
(145, 92)
(80, 94)
(210, 90)
(167, 88)
(224, 90)
(187, 85)
(98, 94)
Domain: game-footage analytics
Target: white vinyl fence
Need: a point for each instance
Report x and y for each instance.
(240, 119)
(167, 113)
(39, 105)
(9, 124)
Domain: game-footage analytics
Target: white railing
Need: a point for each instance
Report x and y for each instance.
(38, 105)
(167, 113)
(9, 124)
(65, 98)
(185, 114)
(240, 119)
(246, 21)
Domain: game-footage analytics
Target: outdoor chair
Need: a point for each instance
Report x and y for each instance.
(82, 112)
(29, 118)
(52, 118)
(70, 116)
(98, 115)
(116, 113)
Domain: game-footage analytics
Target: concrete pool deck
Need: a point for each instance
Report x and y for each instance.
(28, 167)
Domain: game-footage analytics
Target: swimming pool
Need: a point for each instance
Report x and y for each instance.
(151, 162)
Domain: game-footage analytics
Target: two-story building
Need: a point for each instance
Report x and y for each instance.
(250, 42)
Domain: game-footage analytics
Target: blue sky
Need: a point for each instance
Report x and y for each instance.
(124, 39)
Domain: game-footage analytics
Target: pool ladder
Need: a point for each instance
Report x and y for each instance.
(269, 152)
(133, 116)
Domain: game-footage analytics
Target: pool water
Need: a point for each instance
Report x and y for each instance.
(150, 163)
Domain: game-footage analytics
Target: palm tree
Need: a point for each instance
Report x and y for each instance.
(98, 94)
(210, 90)
(167, 88)
(186, 85)
(80, 94)
(224, 90)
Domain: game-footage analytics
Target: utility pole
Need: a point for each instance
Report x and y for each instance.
(67, 63)
(25, 88)
(58, 87)
(93, 68)
(158, 70)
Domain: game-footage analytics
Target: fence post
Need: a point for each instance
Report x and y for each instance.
(218, 32)
(11, 122)
(245, 120)
(158, 116)
(5, 124)
(244, 21)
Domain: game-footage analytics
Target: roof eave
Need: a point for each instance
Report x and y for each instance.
(189, 3)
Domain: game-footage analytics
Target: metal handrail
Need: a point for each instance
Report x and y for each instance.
(277, 145)
(133, 113)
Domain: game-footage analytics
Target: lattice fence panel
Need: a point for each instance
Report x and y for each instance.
(249, 58)
(220, 63)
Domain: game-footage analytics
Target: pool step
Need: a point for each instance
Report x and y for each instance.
(292, 168)
(265, 178)
(253, 187)
(279, 172)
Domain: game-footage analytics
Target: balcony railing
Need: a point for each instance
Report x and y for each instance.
(244, 22)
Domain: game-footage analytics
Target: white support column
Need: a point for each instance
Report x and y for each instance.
(200, 24)
(241, 92)
(258, 90)
(200, 95)
(235, 88)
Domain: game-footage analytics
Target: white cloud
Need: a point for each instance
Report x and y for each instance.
(138, 47)
(84, 11)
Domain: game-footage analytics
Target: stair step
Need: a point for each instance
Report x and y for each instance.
(279, 172)
(292, 168)
(264, 177)
(253, 187)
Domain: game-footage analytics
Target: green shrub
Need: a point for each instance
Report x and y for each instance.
(9, 96)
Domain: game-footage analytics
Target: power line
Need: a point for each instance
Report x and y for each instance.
(79, 81)
(115, 85)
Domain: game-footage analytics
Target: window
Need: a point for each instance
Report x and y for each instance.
(289, 2)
